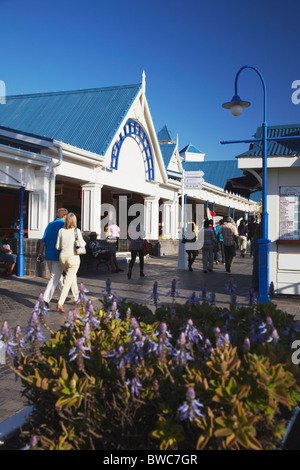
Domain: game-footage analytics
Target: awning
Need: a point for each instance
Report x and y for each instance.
(243, 185)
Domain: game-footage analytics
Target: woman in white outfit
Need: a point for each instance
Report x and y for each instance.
(68, 258)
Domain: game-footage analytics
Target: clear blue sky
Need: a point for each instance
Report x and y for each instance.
(190, 51)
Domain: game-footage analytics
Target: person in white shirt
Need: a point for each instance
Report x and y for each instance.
(68, 258)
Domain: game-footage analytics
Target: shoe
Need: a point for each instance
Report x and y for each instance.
(129, 275)
(60, 308)
(210, 270)
(142, 275)
(204, 270)
(190, 268)
(119, 270)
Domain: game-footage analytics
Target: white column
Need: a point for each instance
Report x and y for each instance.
(170, 212)
(39, 203)
(91, 207)
(152, 217)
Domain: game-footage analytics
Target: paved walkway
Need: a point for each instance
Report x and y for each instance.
(18, 296)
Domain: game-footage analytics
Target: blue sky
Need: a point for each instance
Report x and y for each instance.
(190, 51)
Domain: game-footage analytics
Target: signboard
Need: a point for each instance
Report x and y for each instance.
(193, 179)
(289, 213)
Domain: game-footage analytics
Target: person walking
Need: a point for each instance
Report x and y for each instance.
(252, 226)
(191, 250)
(243, 237)
(208, 247)
(230, 237)
(48, 246)
(219, 238)
(68, 257)
(136, 248)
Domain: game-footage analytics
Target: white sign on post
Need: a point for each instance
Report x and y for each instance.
(193, 179)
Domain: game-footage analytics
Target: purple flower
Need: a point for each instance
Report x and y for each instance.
(193, 300)
(191, 332)
(251, 297)
(135, 384)
(79, 349)
(33, 330)
(258, 329)
(6, 337)
(5, 330)
(231, 287)
(155, 294)
(136, 350)
(40, 306)
(173, 290)
(116, 357)
(107, 287)
(191, 407)
(275, 336)
(212, 298)
(71, 319)
(203, 294)
(182, 354)
(81, 293)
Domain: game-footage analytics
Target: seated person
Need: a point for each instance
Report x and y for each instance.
(103, 247)
(7, 256)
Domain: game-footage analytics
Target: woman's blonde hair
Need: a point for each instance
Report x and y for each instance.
(71, 221)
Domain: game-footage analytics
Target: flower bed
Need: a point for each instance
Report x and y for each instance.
(188, 377)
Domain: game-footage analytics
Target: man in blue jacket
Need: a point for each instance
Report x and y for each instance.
(48, 243)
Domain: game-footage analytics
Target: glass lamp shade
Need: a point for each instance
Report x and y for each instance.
(236, 110)
(236, 105)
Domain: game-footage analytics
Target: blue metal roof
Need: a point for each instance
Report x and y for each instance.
(215, 172)
(285, 148)
(165, 135)
(190, 148)
(167, 151)
(86, 119)
(218, 172)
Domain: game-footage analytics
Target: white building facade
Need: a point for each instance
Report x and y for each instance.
(114, 172)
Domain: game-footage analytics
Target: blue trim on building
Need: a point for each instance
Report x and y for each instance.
(134, 128)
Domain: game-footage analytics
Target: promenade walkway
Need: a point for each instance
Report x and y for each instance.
(18, 296)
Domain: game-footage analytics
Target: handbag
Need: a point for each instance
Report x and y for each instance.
(147, 247)
(79, 250)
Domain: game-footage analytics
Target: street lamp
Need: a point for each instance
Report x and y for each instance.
(236, 106)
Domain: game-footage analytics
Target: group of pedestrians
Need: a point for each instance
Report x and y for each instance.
(220, 243)
(59, 244)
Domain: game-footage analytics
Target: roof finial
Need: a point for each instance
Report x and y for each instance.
(144, 81)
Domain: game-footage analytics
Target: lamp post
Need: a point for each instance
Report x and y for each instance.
(236, 106)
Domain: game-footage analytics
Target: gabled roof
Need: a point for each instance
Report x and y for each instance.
(281, 147)
(87, 119)
(165, 135)
(190, 148)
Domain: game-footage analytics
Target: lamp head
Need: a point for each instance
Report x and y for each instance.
(236, 105)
